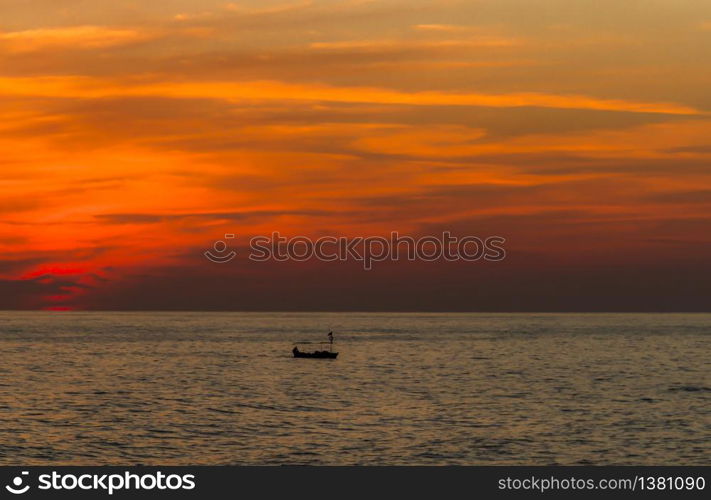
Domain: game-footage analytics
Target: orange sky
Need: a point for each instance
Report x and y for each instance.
(134, 134)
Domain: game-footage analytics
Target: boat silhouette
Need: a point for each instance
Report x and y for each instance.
(318, 354)
(314, 354)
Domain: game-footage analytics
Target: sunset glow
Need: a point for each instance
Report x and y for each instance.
(133, 135)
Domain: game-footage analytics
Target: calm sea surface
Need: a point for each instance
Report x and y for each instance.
(222, 388)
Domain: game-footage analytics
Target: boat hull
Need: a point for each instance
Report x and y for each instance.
(316, 355)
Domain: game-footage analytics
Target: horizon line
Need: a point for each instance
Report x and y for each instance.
(355, 311)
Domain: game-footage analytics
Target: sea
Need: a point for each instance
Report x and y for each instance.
(204, 388)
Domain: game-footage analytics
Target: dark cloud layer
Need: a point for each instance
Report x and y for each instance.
(522, 283)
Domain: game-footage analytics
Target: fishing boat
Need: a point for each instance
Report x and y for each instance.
(317, 354)
(314, 354)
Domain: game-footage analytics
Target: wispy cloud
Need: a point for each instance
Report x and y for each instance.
(74, 37)
(441, 27)
(379, 45)
(87, 87)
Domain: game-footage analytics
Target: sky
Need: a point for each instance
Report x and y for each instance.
(135, 134)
